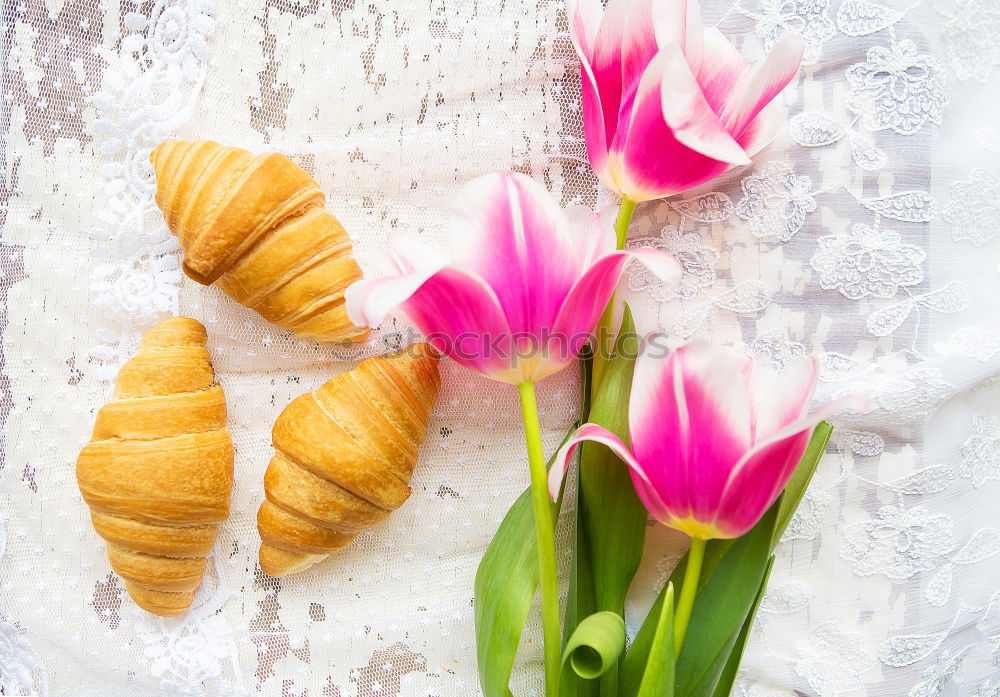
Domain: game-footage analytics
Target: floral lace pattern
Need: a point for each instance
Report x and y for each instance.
(936, 676)
(697, 261)
(897, 88)
(832, 662)
(147, 89)
(861, 17)
(915, 395)
(969, 34)
(808, 517)
(810, 18)
(951, 299)
(868, 262)
(813, 130)
(980, 463)
(775, 201)
(898, 542)
(981, 343)
(974, 209)
(777, 348)
(746, 298)
(187, 658)
(21, 670)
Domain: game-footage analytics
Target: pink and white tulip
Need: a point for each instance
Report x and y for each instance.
(715, 435)
(522, 291)
(667, 104)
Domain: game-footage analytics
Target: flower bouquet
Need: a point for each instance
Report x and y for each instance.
(703, 438)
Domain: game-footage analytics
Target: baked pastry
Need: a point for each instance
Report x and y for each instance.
(343, 457)
(255, 226)
(158, 471)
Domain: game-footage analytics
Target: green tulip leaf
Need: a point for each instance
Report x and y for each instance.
(728, 676)
(658, 677)
(721, 609)
(595, 645)
(799, 481)
(579, 604)
(610, 519)
(613, 517)
(505, 586)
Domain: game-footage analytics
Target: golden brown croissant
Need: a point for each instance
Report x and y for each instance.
(255, 226)
(343, 457)
(158, 470)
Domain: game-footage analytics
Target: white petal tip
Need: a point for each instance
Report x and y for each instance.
(352, 303)
(556, 475)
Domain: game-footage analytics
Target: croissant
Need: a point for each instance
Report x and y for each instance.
(255, 226)
(343, 457)
(158, 470)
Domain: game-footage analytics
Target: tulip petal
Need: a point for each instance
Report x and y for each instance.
(463, 319)
(584, 23)
(690, 115)
(585, 20)
(758, 86)
(370, 300)
(586, 301)
(598, 434)
(654, 160)
(594, 128)
(720, 69)
(599, 233)
(452, 306)
(510, 231)
(408, 254)
(803, 423)
(762, 473)
(750, 493)
(762, 130)
(606, 63)
(690, 413)
(694, 40)
(780, 397)
(649, 25)
(668, 20)
(638, 44)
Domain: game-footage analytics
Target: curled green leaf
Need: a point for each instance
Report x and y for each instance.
(595, 645)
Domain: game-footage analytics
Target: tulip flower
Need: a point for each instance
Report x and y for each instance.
(516, 303)
(523, 289)
(715, 436)
(667, 104)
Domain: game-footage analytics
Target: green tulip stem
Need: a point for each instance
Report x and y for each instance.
(602, 349)
(625, 212)
(545, 534)
(689, 589)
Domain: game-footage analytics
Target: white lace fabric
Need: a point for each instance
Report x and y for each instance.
(867, 234)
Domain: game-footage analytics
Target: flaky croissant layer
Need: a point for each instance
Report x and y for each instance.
(158, 470)
(344, 455)
(255, 226)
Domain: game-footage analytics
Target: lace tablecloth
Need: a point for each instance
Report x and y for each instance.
(868, 234)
